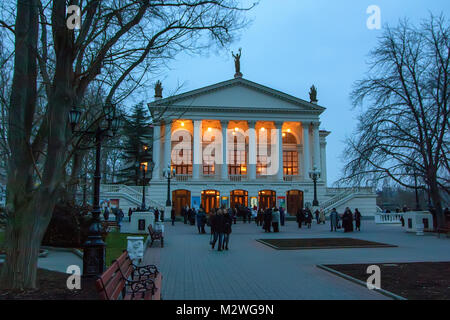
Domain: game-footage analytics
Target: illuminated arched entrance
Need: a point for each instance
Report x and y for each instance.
(180, 199)
(238, 197)
(294, 201)
(210, 200)
(267, 199)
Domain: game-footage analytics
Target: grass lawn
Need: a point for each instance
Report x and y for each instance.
(116, 242)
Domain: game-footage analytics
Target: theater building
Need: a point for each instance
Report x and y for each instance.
(238, 142)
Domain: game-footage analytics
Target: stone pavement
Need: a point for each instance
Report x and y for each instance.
(251, 270)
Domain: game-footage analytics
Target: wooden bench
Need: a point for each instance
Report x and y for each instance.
(155, 235)
(124, 280)
(108, 225)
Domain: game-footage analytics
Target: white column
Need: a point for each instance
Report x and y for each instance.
(167, 144)
(306, 156)
(323, 162)
(252, 150)
(224, 166)
(316, 145)
(197, 150)
(279, 126)
(156, 156)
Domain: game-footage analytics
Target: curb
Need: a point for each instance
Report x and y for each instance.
(362, 283)
(77, 252)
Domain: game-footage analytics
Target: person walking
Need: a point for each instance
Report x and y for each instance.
(300, 217)
(321, 216)
(234, 215)
(275, 219)
(184, 213)
(106, 214)
(218, 224)
(333, 219)
(347, 220)
(201, 216)
(254, 215)
(267, 219)
(316, 213)
(227, 228)
(357, 219)
(156, 214)
(308, 217)
(130, 212)
(260, 217)
(172, 215)
(282, 216)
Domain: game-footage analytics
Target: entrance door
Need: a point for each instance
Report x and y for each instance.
(238, 198)
(267, 199)
(294, 201)
(210, 200)
(181, 198)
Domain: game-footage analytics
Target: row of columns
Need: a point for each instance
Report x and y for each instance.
(197, 154)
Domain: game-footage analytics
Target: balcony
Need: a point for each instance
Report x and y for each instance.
(237, 177)
(183, 177)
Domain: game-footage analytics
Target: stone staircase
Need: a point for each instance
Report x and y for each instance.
(130, 197)
(342, 196)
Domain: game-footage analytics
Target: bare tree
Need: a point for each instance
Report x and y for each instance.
(404, 130)
(125, 36)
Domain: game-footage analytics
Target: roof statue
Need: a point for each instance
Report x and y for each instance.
(237, 63)
(313, 94)
(158, 89)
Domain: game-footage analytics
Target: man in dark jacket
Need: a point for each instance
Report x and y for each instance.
(218, 225)
(227, 229)
(300, 217)
(172, 215)
(267, 219)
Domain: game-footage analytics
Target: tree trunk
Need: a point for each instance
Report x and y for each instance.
(24, 232)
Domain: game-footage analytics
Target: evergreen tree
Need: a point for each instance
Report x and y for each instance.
(137, 133)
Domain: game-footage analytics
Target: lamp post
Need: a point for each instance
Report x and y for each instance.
(94, 247)
(408, 170)
(169, 174)
(143, 164)
(315, 175)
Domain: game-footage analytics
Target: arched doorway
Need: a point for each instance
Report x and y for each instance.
(294, 201)
(180, 199)
(238, 197)
(267, 199)
(210, 200)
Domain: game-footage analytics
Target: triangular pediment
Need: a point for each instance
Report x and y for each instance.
(238, 94)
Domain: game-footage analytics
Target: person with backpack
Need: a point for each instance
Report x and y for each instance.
(227, 229)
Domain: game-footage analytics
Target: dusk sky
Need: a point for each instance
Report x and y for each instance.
(292, 44)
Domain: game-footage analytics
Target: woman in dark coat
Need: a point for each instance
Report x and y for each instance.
(357, 220)
(308, 217)
(227, 228)
(347, 220)
(300, 217)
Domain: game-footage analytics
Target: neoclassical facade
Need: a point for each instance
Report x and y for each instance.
(238, 142)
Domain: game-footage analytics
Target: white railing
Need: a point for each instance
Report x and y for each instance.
(388, 218)
(183, 177)
(237, 177)
(289, 178)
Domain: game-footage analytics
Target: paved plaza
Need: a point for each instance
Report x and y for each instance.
(252, 270)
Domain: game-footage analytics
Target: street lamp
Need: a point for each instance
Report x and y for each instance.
(169, 174)
(408, 170)
(315, 175)
(94, 247)
(144, 164)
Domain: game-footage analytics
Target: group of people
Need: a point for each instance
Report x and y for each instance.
(117, 212)
(220, 221)
(305, 217)
(347, 220)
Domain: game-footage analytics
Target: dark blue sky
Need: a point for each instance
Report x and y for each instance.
(293, 44)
